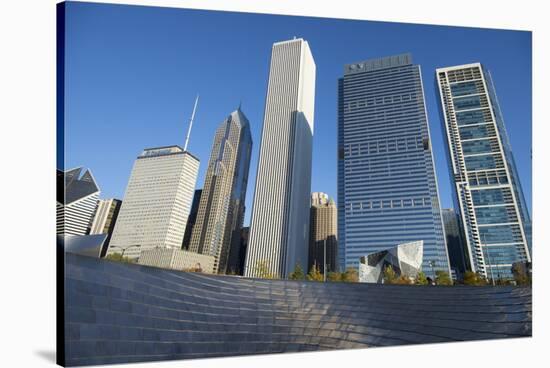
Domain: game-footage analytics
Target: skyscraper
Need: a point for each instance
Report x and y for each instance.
(455, 241)
(105, 219)
(237, 254)
(220, 214)
(487, 187)
(280, 213)
(105, 216)
(157, 201)
(323, 240)
(77, 197)
(191, 219)
(387, 189)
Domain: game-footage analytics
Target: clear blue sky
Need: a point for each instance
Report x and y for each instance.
(132, 74)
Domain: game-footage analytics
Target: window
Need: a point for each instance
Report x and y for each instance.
(490, 196)
(473, 147)
(463, 103)
(495, 215)
(480, 162)
(466, 88)
(473, 132)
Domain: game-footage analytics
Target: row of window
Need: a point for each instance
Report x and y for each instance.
(393, 203)
(491, 196)
(477, 131)
(470, 102)
(495, 215)
(480, 146)
(472, 117)
(484, 162)
(374, 101)
(501, 234)
(467, 88)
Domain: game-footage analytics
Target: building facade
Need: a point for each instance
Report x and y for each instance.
(77, 197)
(488, 193)
(323, 230)
(191, 219)
(157, 202)
(455, 241)
(280, 215)
(220, 214)
(177, 259)
(105, 216)
(105, 219)
(387, 189)
(237, 255)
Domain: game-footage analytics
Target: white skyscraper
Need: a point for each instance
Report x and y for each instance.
(488, 193)
(279, 227)
(157, 201)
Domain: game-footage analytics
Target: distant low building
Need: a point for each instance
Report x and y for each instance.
(323, 228)
(405, 259)
(177, 259)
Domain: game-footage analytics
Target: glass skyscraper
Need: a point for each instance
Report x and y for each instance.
(492, 208)
(221, 208)
(387, 190)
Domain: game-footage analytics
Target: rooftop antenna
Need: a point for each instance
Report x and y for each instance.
(191, 123)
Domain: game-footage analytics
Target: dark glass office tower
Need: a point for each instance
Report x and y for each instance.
(387, 190)
(220, 214)
(493, 211)
(455, 241)
(191, 219)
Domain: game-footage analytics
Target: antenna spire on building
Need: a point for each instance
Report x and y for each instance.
(191, 123)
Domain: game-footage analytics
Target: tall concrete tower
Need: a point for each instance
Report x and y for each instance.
(279, 228)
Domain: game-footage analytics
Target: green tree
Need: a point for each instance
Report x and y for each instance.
(262, 270)
(472, 278)
(442, 278)
(389, 275)
(350, 275)
(334, 276)
(421, 279)
(403, 280)
(521, 277)
(315, 274)
(119, 258)
(298, 273)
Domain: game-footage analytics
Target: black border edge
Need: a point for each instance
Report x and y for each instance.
(60, 158)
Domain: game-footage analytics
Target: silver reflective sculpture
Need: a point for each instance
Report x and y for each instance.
(405, 259)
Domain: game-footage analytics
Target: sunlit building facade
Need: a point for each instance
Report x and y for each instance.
(489, 197)
(279, 227)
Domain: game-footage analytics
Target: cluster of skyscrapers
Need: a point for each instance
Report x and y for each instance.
(387, 184)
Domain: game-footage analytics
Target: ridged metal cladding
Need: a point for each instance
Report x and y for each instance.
(117, 313)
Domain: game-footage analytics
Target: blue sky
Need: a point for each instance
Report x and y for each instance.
(132, 73)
